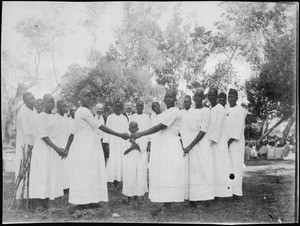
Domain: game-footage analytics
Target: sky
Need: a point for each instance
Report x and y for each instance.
(74, 49)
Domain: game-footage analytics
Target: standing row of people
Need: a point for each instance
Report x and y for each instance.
(196, 154)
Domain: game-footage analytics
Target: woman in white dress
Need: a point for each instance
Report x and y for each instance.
(167, 163)
(201, 182)
(88, 184)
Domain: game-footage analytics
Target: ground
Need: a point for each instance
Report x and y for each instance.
(269, 196)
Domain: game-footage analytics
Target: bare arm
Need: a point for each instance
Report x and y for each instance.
(58, 150)
(105, 129)
(194, 142)
(152, 130)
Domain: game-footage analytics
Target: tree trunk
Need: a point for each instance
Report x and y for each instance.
(270, 130)
(288, 126)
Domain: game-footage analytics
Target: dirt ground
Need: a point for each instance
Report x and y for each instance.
(269, 196)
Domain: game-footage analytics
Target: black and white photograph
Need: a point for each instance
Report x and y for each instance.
(163, 112)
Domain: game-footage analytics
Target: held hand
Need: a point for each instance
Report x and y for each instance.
(136, 146)
(61, 152)
(125, 136)
(66, 152)
(186, 150)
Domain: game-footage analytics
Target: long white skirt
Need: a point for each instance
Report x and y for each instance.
(166, 169)
(45, 172)
(221, 169)
(134, 176)
(201, 181)
(88, 181)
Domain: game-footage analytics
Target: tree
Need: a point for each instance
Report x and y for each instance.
(273, 92)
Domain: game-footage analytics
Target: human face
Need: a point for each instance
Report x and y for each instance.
(222, 101)
(39, 106)
(118, 108)
(156, 108)
(187, 103)
(30, 101)
(48, 104)
(232, 100)
(128, 107)
(212, 96)
(72, 112)
(139, 107)
(133, 129)
(198, 99)
(100, 110)
(169, 100)
(62, 108)
(85, 99)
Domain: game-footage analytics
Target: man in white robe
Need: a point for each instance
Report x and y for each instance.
(143, 120)
(116, 145)
(64, 130)
(186, 139)
(234, 129)
(200, 168)
(218, 145)
(100, 117)
(26, 136)
(46, 164)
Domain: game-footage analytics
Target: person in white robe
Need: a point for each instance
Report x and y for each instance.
(46, 164)
(134, 179)
(201, 181)
(218, 146)
(186, 140)
(143, 120)
(116, 145)
(39, 105)
(26, 136)
(234, 130)
(65, 129)
(167, 162)
(88, 183)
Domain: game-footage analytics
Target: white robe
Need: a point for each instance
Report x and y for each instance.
(166, 161)
(46, 165)
(186, 140)
(234, 128)
(218, 146)
(134, 179)
(26, 135)
(117, 146)
(64, 130)
(200, 169)
(143, 121)
(100, 132)
(88, 181)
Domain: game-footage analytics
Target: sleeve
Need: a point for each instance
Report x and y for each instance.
(205, 121)
(216, 125)
(90, 119)
(168, 117)
(105, 135)
(236, 125)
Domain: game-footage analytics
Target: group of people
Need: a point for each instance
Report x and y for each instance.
(194, 154)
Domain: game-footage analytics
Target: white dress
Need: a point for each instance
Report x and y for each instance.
(46, 165)
(26, 135)
(143, 121)
(219, 148)
(234, 128)
(117, 146)
(166, 161)
(64, 130)
(88, 180)
(201, 182)
(134, 176)
(186, 140)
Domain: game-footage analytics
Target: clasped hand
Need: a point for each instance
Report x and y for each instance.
(186, 151)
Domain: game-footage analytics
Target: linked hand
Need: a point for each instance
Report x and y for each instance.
(186, 151)
(61, 152)
(125, 136)
(66, 151)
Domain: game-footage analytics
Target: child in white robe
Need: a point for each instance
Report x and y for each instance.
(134, 177)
